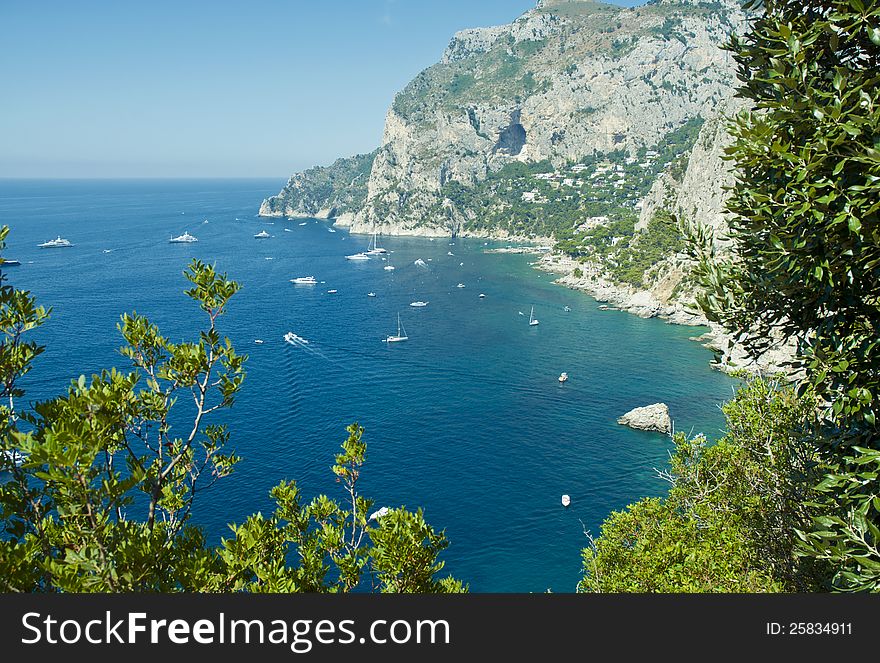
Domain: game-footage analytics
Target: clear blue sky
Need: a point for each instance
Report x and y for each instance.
(211, 89)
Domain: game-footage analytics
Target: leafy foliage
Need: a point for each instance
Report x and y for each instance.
(729, 521)
(806, 230)
(97, 485)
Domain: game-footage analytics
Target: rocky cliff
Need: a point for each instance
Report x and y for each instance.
(324, 191)
(568, 79)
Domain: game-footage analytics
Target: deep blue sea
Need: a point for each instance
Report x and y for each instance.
(466, 419)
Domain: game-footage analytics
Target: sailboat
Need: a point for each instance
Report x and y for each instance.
(532, 320)
(401, 335)
(374, 249)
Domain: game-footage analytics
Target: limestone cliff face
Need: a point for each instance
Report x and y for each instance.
(700, 194)
(565, 80)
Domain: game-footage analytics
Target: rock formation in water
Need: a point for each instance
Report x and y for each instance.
(651, 418)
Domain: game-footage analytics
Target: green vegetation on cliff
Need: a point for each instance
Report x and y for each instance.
(339, 187)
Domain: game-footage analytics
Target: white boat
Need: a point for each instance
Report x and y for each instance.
(418, 304)
(374, 249)
(58, 243)
(290, 337)
(450, 253)
(401, 334)
(532, 321)
(566, 308)
(460, 285)
(388, 268)
(330, 230)
(303, 223)
(482, 296)
(304, 280)
(566, 500)
(258, 341)
(371, 294)
(563, 376)
(420, 263)
(262, 235)
(332, 292)
(107, 251)
(288, 230)
(185, 238)
(358, 256)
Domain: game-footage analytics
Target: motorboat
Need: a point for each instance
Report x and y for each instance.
(262, 235)
(185, 238)
(332, 292)
(304, 280)
(460, 285)
(371, 294)
(563, 376)
(388, 268)
(566, 500)
(358, 256)
(58, 243)
(292, 338)
(418, 304)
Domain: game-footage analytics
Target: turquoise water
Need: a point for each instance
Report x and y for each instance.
(466, 419)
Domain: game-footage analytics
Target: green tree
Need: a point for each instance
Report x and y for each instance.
(729, 521)
(97, 485)
(806, 256)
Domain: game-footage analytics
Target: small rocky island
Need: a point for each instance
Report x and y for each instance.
(651, 417)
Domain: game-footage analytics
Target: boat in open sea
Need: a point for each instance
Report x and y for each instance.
(533, 321)
(358, 256)
(290, 337)
(388, 268)
(418, 304)
(304, 280)
(262, 235)
(185, 238)
(401, 334)
(11, 263)
(58, 243)
(563, 376)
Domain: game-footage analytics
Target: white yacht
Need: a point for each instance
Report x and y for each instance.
(185, 238)
(460, 285)
(482, 296)
(358, 256)
(566, 500)
(262, 235)
(566, 308)
(288, 230)
(304, 280)
(332, 291)
(563, 376)
(420, 263)
(533, 321)
(371, 294)
(258, 341)
(388, 268)
(401, 334)
(55, 243)
(450, 253)
(418, 304)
